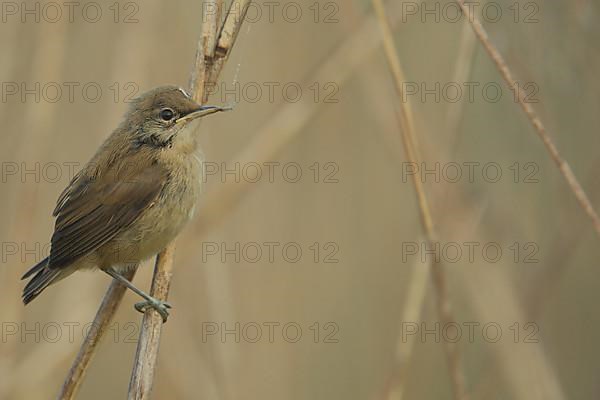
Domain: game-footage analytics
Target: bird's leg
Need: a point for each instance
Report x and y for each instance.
(160, 306)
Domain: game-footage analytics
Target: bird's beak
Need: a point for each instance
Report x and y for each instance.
(202, 112)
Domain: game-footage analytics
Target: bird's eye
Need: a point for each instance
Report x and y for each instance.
(166, 114)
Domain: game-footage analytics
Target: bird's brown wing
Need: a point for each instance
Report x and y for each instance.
(92, 211)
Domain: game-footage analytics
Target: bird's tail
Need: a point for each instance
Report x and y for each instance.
(43, 278)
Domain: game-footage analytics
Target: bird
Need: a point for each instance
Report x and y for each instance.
(132, 198)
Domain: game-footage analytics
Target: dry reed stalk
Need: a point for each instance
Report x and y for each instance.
(110, 304)
(214, 48)
(146, 355)
(533, 117)
(453, 355)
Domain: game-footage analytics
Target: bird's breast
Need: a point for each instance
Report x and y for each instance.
(168, 214)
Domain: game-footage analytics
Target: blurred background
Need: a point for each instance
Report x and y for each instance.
(310, 280)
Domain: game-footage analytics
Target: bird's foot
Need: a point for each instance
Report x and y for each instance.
(162, 307)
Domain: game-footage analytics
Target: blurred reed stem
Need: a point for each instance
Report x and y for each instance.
(533, 117)
(407, 129)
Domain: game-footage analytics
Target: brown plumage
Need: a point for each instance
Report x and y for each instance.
(132, 198)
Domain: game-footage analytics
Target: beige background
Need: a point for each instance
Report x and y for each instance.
(368, 214)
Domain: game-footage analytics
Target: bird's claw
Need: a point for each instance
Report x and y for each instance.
(162, 307)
